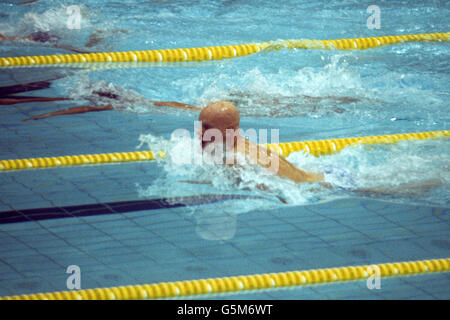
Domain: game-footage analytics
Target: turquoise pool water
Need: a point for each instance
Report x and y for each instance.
(394, 89)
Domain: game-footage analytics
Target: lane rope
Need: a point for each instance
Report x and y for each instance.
(241, 284)
(218, 52)
(316, 148)
(330, 146)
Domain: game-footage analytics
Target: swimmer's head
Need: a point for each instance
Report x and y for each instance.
(41, 36)
(220, 115)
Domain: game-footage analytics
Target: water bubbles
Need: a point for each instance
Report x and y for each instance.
(53, 20)
(408, 168)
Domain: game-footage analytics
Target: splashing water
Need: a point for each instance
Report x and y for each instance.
(184, 162)
(331, 90)
(409, 163)
(215, 221)
(102, 93)
(400, 169)
(335, 90)
(389, 167)
(53, 20)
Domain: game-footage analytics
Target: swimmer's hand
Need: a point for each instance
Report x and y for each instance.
(282, 199)
(263, 187)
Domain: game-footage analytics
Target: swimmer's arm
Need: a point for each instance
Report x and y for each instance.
(263, 187)
(335, 98)
(171, 104)
(28, 3)
(2, 37)
(74, 110)
(326, 185)
(94, 39)
(288, 170)
(278, 165)
(176, 105)
(70, 48)
(402, 189)
(22, 99)
(343, 100)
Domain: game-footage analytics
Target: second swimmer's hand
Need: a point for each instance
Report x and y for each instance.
(326, 185)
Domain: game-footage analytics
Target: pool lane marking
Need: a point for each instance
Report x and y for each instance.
(316, 148)
(247, 283)
(147, 55)
(84, 210)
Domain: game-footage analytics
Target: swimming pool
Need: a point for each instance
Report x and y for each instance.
(108, 225)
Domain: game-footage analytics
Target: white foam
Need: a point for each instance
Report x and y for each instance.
(53, 20)
(394, 168)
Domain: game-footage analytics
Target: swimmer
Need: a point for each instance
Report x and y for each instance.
(45, 38)
(7, 93)
(8, 97)
(25, 99)
(288, 105)
(224, 116)
(84, 109)
(113, 96)
(260, 100)
(38, 36)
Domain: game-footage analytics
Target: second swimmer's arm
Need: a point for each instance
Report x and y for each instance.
(176, 105)
(74, 110)
(2, 37)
